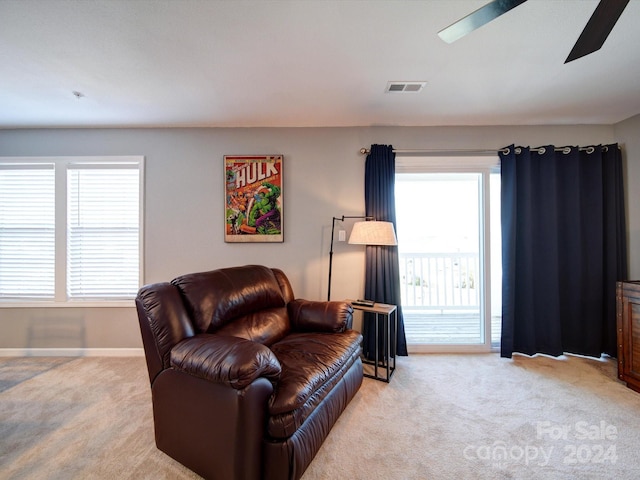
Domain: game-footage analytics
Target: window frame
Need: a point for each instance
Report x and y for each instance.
(61, 167)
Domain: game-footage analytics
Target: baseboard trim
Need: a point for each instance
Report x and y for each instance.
(71, 352)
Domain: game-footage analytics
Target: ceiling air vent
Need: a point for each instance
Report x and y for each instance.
(407, 87)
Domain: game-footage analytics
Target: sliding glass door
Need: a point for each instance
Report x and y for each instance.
(446, 219)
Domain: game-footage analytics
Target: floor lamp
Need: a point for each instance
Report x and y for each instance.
(367, 232)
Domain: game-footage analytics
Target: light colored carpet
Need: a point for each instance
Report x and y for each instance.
(441, 417)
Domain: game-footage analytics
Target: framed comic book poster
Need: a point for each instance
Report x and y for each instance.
(253, 198)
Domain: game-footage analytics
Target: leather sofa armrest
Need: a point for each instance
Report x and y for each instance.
(228, 360)
(318, 316)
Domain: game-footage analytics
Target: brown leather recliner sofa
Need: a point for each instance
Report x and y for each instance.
(246, 381)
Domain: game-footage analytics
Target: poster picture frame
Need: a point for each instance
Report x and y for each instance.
(254, 202)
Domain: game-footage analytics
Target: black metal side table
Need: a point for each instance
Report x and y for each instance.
(382, 364)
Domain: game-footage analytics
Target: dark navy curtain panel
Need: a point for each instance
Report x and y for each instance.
(382, 270)
(563, 249)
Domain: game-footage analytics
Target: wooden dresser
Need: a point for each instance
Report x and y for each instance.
(628, 329)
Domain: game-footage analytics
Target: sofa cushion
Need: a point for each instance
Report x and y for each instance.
(312, 363)
(266, 326)
(218, 297)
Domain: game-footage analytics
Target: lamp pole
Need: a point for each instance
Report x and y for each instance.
(333, 227)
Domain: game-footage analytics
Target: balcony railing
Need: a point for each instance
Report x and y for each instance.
(440, 282)
(441, 299)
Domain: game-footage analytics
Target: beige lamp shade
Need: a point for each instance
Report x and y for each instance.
(373, 233)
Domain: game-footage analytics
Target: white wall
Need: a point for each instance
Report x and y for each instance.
(323, 177)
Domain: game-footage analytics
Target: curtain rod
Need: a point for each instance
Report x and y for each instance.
(366, 151)
(445, 153)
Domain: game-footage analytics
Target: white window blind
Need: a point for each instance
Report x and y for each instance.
(27, 231)
(103, 231)
(70, 230)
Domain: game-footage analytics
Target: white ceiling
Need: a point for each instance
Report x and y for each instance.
(280, 63)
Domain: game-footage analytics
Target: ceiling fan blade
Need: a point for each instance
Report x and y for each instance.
(598, 28)
(476, 19)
